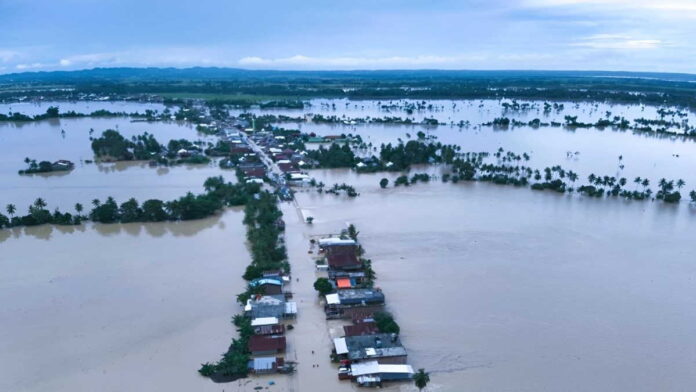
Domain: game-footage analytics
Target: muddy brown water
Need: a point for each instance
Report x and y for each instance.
(495, 288)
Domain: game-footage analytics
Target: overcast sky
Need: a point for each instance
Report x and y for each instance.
(631, 35)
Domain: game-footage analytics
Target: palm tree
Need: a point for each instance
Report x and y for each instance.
(680, 183)
(40, 203)
(11, 209)
(78, 208)
(96, 202)
(421, 379)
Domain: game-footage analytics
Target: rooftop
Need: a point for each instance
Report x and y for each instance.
(260, 343)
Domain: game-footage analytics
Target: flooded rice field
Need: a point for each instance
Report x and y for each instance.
(69, 139)
(118, 307)
(495, 288)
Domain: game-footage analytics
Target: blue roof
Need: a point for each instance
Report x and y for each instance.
(262, 281)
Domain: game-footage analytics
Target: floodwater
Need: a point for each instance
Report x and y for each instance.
(508, 289)
(495, 288)
(133, 307)
(45, 140)
(585, 151)
(33, 108)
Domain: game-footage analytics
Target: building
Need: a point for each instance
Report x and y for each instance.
(360, 329)
(372, 373)
(266, 345)
(270, 306)
(342, 257)
(277, 329)
(384, 348)
(355, 297)
(270, 286)
(267, 365)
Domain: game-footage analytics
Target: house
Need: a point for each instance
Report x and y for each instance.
(374, 373)
(286, 166)
(355, 297)
(335, 241)
(342, 257)
(269, 286)
(384, 348)
(344, 283)
(265, 345)
(270, 306)
(277, 329)
(62, 165)
(267, 365)
(355, 277)
(368, 328)
(256, 172)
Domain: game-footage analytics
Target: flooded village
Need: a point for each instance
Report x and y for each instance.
(356, 265)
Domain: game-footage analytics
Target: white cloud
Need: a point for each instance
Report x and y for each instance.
(672, 8)
(7, 55)
(360, 62)
(618, 41)
(24, 67)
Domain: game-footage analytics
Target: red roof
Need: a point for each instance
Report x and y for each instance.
(254, 172)
(342, 256)
(258, 343)
(343, 283)
(287, 167)
(368, 328)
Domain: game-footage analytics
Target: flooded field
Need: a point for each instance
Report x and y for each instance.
(495, 288)
(118, 307)
(44, 140)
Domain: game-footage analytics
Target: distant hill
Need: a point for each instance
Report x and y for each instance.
(236, 74)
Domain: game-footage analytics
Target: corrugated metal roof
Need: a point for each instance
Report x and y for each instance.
(332, 299)
(341, 346)
(264, 321)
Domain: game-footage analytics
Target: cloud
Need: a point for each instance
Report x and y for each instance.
(674, 8)
(8, 55)
(617, 41)
(360, 62)
(24, 67)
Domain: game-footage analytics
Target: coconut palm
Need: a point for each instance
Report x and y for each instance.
(680, 183)
(39, 203)
(96, 202)
(11, 209)
(421, 379)
(78, 208)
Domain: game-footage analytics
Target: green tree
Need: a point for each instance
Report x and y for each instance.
(323, 286)
(421, 379)
(353, 232)
(130, 211)
(79, 208)
(153, 211)
(11, 209)
(383, 183)
(39, 203)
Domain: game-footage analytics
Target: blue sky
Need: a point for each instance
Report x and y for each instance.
(631, 35)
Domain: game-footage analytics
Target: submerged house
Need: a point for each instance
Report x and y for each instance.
(373, 373)
(265, 345)
(270, 306)
(267, 365)
(269, 286)
(343, 257)
(355, 297)
(384, 348)
(360, 329)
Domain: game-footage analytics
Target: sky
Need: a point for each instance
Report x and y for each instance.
(616, 35)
